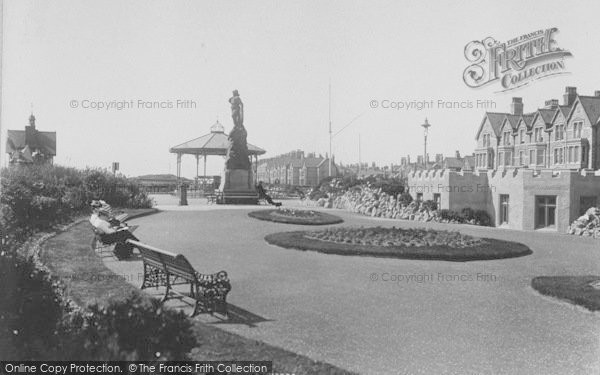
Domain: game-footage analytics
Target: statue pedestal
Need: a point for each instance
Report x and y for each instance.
(237, 187)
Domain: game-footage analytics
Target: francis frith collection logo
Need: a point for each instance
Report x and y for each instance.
(514, 63)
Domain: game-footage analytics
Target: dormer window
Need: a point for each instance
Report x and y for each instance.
(577, 126)
(560, 132)
(522, 135)
(538, 135)
(506, 138)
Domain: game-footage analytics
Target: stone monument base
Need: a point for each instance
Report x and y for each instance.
(237, 187)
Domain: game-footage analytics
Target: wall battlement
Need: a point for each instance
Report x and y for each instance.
(523, 174)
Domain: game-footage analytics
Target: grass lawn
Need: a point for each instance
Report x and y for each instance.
(479, 249)
(69, 256)
(575, 289)
(295, 216)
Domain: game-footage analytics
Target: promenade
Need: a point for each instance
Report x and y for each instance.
(383, 316)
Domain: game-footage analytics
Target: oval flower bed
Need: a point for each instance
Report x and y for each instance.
(294, 216)
(399, 243)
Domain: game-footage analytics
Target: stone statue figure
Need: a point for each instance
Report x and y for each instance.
(237, 109)
(237, 152)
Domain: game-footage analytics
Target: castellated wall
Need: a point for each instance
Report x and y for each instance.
(483, 190)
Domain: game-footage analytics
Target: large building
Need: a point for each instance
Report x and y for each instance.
(295, 168)
(30, 145)
(536, 170)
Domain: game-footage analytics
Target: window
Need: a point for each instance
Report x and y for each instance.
(503, 208)
(531, 157)
(559, 132)
(521, 157)
(486, 140)
(437, 198)
(522, 135)
(577, 126)
(541, 155)
(545, 211)
(538, 135)
(559, 156)
(508, 158)
(419, 197)
(506, 138)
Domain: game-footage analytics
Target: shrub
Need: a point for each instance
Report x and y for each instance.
(36, 197)
(136, 328)
(405, 199)
(429, 205)
(37, 323)
(451, 216)
(31, 309)
(392, 187)
(482, 218)
(467, 213)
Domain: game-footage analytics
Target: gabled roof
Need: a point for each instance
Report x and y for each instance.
(513, 120)
(562, 109)
(17, 140)
(527, 119)
(591, 107)
(214, 143)
(495, 119)
(547, 114)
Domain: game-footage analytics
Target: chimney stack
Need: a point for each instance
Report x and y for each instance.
(457, 154)
(516, 107)
(570, 95)
(597, 93)
(551, 104)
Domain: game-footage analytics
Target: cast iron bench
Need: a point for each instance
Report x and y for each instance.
(164, 268)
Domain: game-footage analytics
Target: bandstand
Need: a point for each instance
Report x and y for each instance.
(214, 143)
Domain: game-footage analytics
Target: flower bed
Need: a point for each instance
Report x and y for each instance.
(294, 216)
(579, 290)
(399, 243)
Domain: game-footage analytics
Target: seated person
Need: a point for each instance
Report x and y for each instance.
(111, 230)
(262, 194)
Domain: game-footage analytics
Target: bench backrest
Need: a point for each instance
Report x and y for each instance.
(174, 264)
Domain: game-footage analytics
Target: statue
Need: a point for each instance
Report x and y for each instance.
(237, 151)
(237, 109)
(237, 184)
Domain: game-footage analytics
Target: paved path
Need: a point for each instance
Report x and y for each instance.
(328, 308)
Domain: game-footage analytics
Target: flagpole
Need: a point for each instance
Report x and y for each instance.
(330, 135)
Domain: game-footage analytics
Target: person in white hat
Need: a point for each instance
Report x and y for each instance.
(111, 231)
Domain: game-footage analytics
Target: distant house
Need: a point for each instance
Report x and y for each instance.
(295, 168)
(159, 183)
(30, 146)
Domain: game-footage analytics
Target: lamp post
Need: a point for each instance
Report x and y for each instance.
(425, 126)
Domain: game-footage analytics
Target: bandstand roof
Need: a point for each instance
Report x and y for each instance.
(214, 143)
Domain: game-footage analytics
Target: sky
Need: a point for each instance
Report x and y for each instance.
(61, 56)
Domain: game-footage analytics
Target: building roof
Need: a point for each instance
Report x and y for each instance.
(513, 120)
(528, 120)
(546, 114)
(214, 143)
(496, 119)
(591, 106)
(453, 163)
(17, 140)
